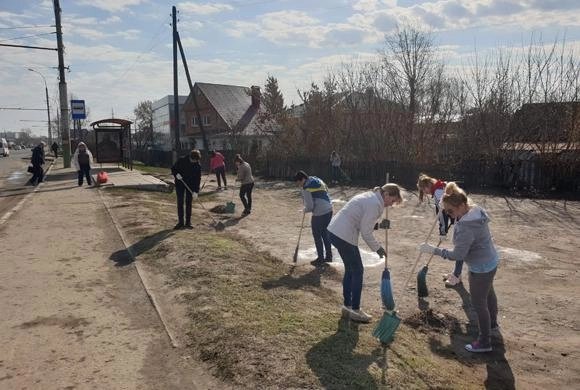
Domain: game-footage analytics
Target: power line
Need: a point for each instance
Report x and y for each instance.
(27, 36)
(23, 27)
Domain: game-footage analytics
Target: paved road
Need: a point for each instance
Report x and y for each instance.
(13, 178)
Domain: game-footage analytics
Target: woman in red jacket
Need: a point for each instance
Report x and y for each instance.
(217, 164)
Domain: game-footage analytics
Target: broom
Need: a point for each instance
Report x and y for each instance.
(385, 329)
(422, 291)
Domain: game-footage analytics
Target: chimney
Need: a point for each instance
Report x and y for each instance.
(256, 97)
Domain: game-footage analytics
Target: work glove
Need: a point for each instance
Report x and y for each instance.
(194, 195)
(178, 176)
(426, 248)
(442, 237)
(381, 252)
(385, 224)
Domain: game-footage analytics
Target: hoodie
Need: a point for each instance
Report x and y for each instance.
(87, 157)
(316, 199)
(472, 242)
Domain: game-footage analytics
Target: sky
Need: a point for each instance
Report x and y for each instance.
(119, 52)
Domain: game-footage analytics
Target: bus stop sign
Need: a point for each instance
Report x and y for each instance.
(77, 109)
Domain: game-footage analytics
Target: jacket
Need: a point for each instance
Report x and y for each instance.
(472, 242)
(245, 173)
(316, 199)
(217, 161)
(37, 156)
(75, 157)
(359, 216)
(189, 170)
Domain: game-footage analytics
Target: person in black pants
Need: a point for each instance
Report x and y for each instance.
(37, 162)
(82, 160)
(187, 171)
(247, 183)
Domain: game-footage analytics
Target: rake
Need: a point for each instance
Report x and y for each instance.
(295, 257)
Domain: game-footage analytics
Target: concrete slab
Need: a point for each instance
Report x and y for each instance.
(120, 177)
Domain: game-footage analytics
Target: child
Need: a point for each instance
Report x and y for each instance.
(436, 188)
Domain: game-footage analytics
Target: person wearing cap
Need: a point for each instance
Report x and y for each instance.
(317, 201)
(187, 172)
(37, 161)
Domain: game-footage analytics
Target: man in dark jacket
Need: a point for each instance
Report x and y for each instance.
(187, 172)
(37, 162)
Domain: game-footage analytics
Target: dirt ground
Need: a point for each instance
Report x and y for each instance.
(537, 281)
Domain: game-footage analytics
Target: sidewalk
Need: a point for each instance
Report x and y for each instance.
(70, 318)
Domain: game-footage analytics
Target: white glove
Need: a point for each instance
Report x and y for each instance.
(194, 195)
(178, 176)
(442, 237)
(426, 248)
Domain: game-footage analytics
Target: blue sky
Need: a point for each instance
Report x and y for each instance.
(119, 51)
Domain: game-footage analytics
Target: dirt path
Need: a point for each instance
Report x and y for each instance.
(537, 283)
(72, 319)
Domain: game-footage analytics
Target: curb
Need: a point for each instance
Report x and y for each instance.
(140, 273)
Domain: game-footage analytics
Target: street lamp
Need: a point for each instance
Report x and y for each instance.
(47, 104)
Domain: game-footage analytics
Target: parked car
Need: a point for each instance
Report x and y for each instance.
(4, 151)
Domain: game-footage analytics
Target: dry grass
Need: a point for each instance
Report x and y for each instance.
(265, 324)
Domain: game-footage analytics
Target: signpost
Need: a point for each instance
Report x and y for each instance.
(77, 108)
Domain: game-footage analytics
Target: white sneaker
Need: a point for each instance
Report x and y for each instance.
(452, 281)
(346, 310)
(360, 316)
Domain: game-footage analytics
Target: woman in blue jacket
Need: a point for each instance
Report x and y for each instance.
(317, 201)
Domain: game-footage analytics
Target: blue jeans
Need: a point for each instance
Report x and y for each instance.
(353, 271)
(319, 224)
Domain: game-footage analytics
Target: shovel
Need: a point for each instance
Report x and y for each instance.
(218, 225)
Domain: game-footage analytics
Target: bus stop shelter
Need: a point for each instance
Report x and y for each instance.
(113, 141)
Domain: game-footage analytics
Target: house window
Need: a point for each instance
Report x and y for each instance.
(204, 120)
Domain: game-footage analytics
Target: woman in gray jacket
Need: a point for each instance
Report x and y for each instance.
(473, 243)
(247, 183)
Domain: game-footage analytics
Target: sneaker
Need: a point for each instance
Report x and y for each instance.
(452, 281)
(477, 347)
(446, 276)
(317, 262)
(346, 310)
(360, 316)
(178, 226)
(188, 226)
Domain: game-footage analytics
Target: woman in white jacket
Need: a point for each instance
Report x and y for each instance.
(82, 160)
(358, 216)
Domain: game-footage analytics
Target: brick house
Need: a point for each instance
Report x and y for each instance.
(229, 115)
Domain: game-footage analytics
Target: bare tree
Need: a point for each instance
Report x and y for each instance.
(144, 125)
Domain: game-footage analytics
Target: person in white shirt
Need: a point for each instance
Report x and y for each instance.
(358, 216)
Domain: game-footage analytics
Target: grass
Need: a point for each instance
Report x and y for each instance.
(264, 324)
(151, 169)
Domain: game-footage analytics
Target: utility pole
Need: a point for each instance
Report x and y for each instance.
(64, 111)
(47, 105)
(175, 89)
